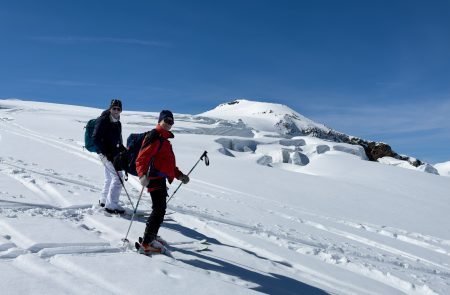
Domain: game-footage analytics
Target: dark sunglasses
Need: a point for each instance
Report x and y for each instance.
(168, 121)
(116, 109)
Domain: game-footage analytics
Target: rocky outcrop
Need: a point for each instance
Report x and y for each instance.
(374, 150)
(377, 150)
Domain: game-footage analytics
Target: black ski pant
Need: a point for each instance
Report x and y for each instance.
(156, 218)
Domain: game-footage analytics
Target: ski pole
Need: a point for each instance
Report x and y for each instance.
(125, 240)
(204, 156)
(125, 189)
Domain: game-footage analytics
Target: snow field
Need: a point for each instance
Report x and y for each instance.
(337, 225)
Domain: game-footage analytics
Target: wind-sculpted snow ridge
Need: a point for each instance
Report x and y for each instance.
(298, 151)
(326, 222)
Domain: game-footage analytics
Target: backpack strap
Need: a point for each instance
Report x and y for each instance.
(150, 138)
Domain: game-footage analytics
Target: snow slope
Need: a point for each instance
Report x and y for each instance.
(443, 168)
(274, 224)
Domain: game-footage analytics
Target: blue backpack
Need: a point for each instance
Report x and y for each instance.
(88, 140)
(126, 160)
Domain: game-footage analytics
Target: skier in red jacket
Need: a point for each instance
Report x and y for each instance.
(156, 163)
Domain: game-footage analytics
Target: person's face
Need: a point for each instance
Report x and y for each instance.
(115, 112)
(167, 123)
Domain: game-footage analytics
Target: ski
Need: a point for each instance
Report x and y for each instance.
(192, 247)
(128, 214)
(203, 241)
(193, 242)
(197, 246)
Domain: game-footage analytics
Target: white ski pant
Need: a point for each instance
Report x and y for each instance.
(112, 186)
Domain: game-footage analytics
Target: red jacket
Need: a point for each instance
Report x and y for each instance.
(163, 157)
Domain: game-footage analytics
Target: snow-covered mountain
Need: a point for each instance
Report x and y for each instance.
(275, 120)
(282, 214)
(269, 118)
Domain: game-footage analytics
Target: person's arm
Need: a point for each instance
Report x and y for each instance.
(178, 173)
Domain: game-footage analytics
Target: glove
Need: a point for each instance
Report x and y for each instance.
(110, 157)
(145, 181)
(183, 178)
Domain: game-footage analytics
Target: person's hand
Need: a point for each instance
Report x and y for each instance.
(184, 178)
(145, 181)
(103, 158)
(110, 157)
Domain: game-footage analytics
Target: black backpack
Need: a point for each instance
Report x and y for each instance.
(126, 160)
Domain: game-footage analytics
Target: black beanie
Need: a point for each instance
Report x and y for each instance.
(116, 103)
(165, 114)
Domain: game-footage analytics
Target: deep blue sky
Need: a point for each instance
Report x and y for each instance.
(375, 69)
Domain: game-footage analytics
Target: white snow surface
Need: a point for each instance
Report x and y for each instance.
(281, 216)
(443, 168)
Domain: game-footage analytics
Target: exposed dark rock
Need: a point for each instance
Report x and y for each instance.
(374, 150)
(233, 102)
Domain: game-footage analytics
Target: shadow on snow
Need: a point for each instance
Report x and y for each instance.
(270, 283)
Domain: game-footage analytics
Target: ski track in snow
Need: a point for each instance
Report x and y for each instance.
(50, 174)
(77, 151)
(44, 183)
(334, 253)
(327, 251)
(41, 188)
(346, 244)
(426, 242)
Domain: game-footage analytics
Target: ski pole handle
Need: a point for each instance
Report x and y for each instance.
(205, 156)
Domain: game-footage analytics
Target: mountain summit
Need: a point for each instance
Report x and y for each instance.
(266, 117)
